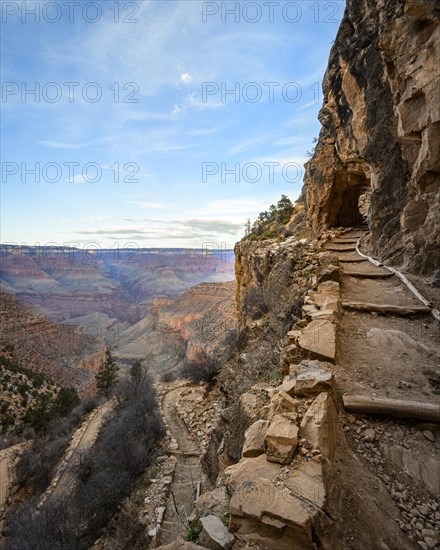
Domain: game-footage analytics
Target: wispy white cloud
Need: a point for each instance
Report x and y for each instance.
(62, 145)
(152, 205)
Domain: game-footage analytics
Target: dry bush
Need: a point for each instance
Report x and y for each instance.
(204, 369)
(106, 473)
(168, 376)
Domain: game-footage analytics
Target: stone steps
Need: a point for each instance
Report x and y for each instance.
(352, 260)
(366, 275)
(334, 248)
(185, 453)
(386, 309)
(345, 241)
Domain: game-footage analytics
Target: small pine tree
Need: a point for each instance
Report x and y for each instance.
(107, 375)
(66, 400)
(284, 209)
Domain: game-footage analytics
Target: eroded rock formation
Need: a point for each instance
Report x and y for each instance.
(381, 132)
(60, 352)
(201, 321)
(121, 285)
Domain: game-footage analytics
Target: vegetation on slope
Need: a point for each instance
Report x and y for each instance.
(125, 448)
(29, 399)
(275, 222)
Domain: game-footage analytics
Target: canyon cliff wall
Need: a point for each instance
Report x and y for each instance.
(381, 132)
(200, 322)
(60, 352)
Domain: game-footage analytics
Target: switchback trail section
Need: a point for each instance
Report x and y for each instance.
(83, 438)
(189, 480)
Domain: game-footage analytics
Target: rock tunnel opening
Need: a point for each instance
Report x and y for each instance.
(350, 199)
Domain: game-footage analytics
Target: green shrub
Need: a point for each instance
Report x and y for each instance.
(193, 532)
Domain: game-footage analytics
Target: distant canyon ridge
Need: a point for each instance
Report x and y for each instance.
(102, 287)
(154, 304)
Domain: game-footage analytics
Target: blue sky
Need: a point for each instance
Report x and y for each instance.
(134, 133)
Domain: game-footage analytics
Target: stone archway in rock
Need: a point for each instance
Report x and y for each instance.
(349, 199)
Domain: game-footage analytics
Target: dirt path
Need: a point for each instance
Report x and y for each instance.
(82, 439)
(385, 355)
(189, 480)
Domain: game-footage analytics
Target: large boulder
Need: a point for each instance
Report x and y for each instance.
(267, 513)
(261, 510)
(319, 339)
(281, 438)
(307, 482)
(319, 425)
(254, 439)
(248, 468)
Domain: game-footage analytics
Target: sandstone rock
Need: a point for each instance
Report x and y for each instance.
(292, 337)
(214, 534)
(281, 438)
(326, 296)
(307, 482)
(254, 439)
(282, 402)
(313, 379)
(258, 506)
(289, 354)
(288, 386)
(329, 273)
(319, 425)
(319, 338)
(258, 496)
(249, 468)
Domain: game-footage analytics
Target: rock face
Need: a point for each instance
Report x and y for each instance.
(380, 132)
(264, 271)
